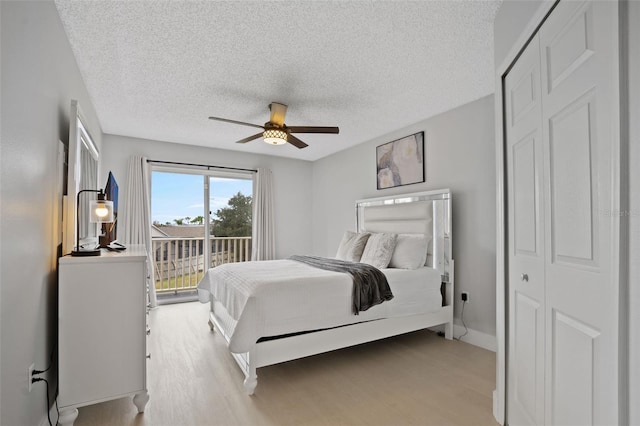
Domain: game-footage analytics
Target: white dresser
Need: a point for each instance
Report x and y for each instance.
(102, 329)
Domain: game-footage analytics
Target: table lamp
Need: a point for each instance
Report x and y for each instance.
(101, 211)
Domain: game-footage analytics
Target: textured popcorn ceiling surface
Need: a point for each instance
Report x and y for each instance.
(158, 69)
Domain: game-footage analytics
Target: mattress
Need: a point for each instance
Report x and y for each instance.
(277, 297)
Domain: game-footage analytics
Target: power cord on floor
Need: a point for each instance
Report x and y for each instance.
(466, 330)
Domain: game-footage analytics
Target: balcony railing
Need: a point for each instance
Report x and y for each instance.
(179, 262)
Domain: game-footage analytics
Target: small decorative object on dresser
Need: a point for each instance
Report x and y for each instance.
(102, 329)
(401, 162)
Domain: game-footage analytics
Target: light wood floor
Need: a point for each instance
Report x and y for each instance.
(413, 379)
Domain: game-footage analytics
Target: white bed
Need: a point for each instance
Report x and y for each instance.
(274, 311)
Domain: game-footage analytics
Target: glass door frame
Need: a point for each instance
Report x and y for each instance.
(207, 172)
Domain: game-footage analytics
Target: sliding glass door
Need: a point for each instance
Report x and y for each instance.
(199, 220)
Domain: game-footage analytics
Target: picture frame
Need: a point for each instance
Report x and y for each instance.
(401, 162)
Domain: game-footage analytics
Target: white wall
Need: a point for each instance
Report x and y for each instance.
(459, 151)
(510, 21)
(39, 78)
(291, 180)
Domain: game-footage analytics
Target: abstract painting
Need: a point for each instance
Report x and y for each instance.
(401, 162)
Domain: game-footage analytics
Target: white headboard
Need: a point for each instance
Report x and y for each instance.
(416, 213)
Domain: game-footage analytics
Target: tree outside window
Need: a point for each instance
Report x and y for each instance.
(235, 219)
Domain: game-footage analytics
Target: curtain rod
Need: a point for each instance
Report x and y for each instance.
(201, 165)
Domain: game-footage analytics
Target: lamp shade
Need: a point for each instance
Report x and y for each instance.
(275, 136)
(100, 211)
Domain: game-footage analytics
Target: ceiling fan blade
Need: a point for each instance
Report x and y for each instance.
(278, 111)
(250, 138)
(226, 120)
(313, 129)
(296, 142)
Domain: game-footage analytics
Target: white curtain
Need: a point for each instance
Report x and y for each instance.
(136, 215)
(263, 236)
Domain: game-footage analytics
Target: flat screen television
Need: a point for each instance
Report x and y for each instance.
(109, 229)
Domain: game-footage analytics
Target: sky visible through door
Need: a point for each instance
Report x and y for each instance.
(175, 196)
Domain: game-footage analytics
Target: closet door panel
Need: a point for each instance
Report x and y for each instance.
(528, 348)
(526, 247)
(569, 49)
(574, 346)
(573, 182)
(579, 109)
(524, 203)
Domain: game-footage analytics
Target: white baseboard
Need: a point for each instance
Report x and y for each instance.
(473, 337)
(476, 338)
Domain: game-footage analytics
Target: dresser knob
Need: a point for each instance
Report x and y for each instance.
(524, 277)
(148, 356)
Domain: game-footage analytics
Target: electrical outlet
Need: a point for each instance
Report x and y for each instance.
(465, 296)
(30, 376)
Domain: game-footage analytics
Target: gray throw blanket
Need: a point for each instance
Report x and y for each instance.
(370, 286)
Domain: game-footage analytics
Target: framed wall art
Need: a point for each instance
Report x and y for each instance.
(401, 162)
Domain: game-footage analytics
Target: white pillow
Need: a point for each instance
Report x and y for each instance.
(410, 251)
(352, 246)
(379, 250)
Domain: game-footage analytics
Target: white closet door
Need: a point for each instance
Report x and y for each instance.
(579, 104)
(561, 115)
(523, 126)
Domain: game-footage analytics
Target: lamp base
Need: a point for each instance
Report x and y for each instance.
(93, 252)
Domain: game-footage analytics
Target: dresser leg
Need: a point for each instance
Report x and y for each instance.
(140, 400)
(67, 416)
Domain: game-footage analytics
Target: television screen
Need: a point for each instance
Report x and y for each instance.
(109, 229)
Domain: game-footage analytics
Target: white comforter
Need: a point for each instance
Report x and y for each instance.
(270, 298)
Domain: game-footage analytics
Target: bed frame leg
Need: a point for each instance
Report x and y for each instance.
(211, 321)
(448, 330)
(251, 381)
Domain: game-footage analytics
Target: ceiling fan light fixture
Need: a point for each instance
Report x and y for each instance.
(275, 136)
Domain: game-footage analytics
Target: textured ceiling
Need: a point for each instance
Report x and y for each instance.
(158, 69)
